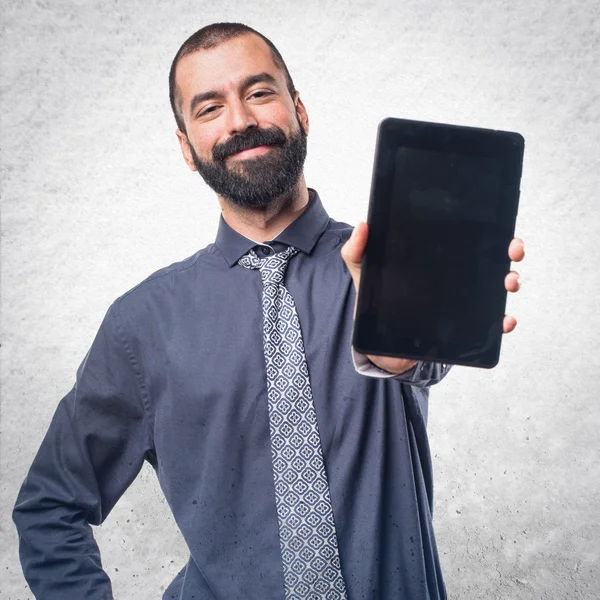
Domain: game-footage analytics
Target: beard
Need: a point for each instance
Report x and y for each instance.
(255, 182)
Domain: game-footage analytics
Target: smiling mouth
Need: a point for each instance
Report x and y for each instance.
(250, 152)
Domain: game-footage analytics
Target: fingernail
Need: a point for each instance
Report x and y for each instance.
(520, 281)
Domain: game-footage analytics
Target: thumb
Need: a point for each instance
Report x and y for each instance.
(353, 250)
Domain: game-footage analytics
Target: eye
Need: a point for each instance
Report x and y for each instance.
(207, 110)
(258, 94)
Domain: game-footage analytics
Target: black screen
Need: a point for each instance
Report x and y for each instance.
(437, 254)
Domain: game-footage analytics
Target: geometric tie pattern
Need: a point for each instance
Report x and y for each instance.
(309, 549)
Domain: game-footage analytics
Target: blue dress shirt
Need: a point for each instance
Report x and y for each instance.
(176, 376)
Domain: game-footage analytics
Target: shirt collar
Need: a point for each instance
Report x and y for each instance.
(303, 233)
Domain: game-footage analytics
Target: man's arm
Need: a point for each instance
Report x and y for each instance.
(93, 450)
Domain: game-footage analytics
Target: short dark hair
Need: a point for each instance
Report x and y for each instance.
(209, 37)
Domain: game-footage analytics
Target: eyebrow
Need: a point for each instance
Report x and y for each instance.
(246, 83)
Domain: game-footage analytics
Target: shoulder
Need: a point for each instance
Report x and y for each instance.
(163, 287)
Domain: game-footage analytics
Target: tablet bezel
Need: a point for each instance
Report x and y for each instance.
(395, 133)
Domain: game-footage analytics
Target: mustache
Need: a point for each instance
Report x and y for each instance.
(272, 136)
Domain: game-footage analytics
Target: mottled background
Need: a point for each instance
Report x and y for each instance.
(95, 196)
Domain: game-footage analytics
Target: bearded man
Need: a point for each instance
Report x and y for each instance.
(294, 467)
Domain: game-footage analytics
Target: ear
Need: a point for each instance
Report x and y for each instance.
(184, 144)
(301, 112)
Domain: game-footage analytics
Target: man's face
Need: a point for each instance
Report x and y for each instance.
(246, 135)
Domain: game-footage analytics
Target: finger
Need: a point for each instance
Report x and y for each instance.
(508, 324)
(512, 282)
(516, 250)
(353, 250)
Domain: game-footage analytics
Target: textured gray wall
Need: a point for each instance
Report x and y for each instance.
(95, 197)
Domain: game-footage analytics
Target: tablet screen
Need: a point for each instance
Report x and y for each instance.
(442, 214)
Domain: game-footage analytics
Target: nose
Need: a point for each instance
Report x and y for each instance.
(240, 117)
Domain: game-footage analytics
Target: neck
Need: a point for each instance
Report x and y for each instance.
(265, 223)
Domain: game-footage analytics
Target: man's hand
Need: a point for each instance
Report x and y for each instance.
(352, 253)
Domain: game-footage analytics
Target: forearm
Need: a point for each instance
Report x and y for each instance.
(59, 556)
(418, 374)
(53, 512)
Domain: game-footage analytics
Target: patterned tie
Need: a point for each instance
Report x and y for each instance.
(309, 550)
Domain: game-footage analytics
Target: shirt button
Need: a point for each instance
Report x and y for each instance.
(265, 250)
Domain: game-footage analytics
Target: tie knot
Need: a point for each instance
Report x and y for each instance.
(272, 268)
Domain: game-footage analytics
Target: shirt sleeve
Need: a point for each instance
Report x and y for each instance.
(423, 374)
(94, 448)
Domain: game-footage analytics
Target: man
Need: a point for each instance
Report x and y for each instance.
(291, 471)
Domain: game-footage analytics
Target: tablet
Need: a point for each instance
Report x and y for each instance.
(441, 216)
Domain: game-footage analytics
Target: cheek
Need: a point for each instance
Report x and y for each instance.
(203, 143)
(279, 115)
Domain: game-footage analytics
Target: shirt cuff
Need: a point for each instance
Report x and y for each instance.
(365, 367)
(423, 374)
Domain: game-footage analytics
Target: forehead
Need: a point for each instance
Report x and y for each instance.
(224, 66)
